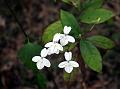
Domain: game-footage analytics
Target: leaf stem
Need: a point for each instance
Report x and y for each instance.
(92, 27)
(19, 24)
(94, 24)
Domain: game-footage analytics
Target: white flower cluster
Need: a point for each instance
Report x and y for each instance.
(54, 47)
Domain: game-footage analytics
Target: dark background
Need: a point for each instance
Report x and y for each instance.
(35, 15)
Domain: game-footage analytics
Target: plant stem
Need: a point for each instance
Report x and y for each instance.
(82, 69)
(52, 75)
(94, 24)
(19, 24)
(92, 27)
(68, 84)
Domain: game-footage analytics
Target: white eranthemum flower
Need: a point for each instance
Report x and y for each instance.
(68, 64)
(65, 38)
(41, 60)
(54, 46)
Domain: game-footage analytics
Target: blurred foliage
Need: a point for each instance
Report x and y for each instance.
(67, 19)
(49, 32)
(41, 80)
(26, 53)
(96, 16)
(72, 76)
(101, 41)
(91, 55)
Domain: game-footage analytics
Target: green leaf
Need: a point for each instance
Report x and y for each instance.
(66, 1)
(95, 16)
(101, 41)
(92, 4)
(41, 80)
(68, 19)
(26, 53)
(51, 30)
(91, 55)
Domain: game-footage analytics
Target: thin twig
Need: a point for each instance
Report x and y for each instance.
(82, 69)
(92, 27)
(13, 13)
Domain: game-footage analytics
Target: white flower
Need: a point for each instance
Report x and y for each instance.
(56, 37)
(54, 47)
(41, 60)
(65, 38)
(68, 64)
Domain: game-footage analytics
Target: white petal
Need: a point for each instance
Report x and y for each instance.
(70, 39)
(46, 62)
(56, 37)
(68, 69)
(74, 64)
(67, 30)
(50, 51)
(36, 58)
(68, 56)
(44, 52)
(53, 49)
(59, 46)
(49, 44)
(40, 64)
(57, 52)
(62, 35)
(63, 41)
(62, 64)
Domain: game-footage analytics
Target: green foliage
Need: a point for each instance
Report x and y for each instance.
(92, 4)
(95, 16)
(91, 55)
(70, 77)
(69, 47)
(51, 30)
(26, 53)
(76, 3)
(101, 41)
(66, 1)
(41, 80)
(68, 19)
(91, 13)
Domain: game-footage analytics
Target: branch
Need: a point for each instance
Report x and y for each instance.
(14, 15)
